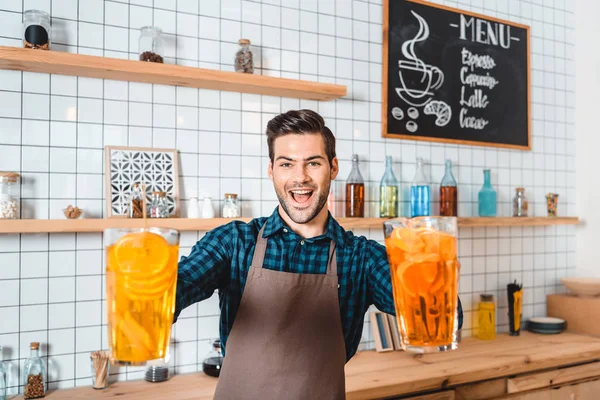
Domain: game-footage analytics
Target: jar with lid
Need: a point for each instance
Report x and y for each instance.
(151, 44)
(36, 30)
(211, 365)
(487, 317)
(520, 203)
(231, 208)
(243, 58)
(159, 207)
(34, 374)
(136, 201)
(9, 195)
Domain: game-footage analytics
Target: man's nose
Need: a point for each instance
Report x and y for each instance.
(300, 174)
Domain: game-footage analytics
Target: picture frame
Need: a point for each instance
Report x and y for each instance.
(156, 168)
(381, 332)
(395, 330)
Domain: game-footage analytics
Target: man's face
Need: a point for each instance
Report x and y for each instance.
(301, 175)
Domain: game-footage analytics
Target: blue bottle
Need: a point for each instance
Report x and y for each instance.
(487, 197)
(420, 193)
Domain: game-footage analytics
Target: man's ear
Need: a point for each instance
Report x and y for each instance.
(270, 170)
(335, 168)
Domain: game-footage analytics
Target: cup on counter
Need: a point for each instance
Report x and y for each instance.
(100, 366)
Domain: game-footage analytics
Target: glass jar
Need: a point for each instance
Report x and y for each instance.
(487, 317)
(231, 208)
(520, 203)
(243, 58)
(3, 377)
(34, 374)
(211, 365)
(151, 44)
(207, 208)
(36, 30)
(388, 191)
(355, 191)
(159, 207)
(136, 202)
(9, 195)
(448, 193)
(487, 196)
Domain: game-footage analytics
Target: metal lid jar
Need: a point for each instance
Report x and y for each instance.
(9, 195)
(231, 208)
(36, 30)
(151, 44)
(159, 207)
(520, 203)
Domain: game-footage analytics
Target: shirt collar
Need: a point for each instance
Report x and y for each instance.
(276, 225)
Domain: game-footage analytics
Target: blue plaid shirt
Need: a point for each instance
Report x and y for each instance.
(221, 260)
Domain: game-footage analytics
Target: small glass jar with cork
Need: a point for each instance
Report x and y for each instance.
(36, 30)
(151, 44)
(243, 58)
(231, 208)
(159, 207)
(34, 374)
(9, 195)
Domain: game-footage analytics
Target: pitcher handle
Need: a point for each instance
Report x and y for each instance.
(440, 78)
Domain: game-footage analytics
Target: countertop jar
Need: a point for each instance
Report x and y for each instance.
(231, 208)
(34, 374)
(520, 203)
(159, 207)
(9, 195)
(151, 44)
(36, 30)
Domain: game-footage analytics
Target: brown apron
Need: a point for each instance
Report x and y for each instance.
(287, 340)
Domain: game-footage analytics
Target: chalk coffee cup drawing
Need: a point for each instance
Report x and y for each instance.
(418, 81)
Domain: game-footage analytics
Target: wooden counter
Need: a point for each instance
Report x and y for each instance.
(522, 366)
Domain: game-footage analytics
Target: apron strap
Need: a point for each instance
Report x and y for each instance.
(261, 249)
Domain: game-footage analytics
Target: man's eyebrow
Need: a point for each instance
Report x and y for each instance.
(316, 157)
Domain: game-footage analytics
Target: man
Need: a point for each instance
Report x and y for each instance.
(293, 287)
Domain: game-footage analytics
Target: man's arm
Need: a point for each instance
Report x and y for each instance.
(380, 281)
(205, 269)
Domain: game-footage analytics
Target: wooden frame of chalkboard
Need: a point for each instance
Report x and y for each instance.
(489, 104)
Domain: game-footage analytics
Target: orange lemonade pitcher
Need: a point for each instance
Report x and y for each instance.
(141, 276)
(424, 272)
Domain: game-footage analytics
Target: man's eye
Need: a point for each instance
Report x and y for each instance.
(314, 164)
(285, 165)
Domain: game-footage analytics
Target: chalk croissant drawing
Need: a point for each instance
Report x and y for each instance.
(418, 80)
(441, 110)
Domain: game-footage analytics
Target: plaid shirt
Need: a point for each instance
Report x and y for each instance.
(222, 258)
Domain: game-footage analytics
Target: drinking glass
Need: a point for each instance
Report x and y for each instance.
(424, 270)
(141, 276)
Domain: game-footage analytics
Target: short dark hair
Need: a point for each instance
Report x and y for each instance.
(300, 122)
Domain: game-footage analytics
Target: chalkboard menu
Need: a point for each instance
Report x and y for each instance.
(454, 76)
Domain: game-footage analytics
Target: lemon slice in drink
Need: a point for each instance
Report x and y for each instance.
(141, 253)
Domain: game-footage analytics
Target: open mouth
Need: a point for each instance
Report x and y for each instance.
(302, 197)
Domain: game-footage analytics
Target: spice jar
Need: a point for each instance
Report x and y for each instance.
(213, 361)
(151, 44)
(487, 317)
(36, 30)
(34, 374)
(231, 208)
(520, 203)
(159, 207)
(9, 200)
(551, 203)
(136, 201)
(243, 58)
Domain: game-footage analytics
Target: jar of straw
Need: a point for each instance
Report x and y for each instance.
(100, 364)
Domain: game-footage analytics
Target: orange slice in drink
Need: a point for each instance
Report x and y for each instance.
(417, 278)
(407, 239)
(447, 247)
(141, 253)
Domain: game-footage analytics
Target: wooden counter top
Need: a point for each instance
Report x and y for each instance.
(375, 375)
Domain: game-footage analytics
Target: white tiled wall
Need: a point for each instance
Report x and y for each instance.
(53, 129)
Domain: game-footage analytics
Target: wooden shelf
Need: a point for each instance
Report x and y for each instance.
(187, 224)
(54, 62)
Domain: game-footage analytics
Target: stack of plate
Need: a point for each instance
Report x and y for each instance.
(157, 373)
(546, 325)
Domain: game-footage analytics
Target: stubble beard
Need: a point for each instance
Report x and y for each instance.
(304, 216)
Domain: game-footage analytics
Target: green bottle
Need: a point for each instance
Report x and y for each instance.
(388, 192)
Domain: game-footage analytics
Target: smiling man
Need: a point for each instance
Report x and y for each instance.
(293, 287)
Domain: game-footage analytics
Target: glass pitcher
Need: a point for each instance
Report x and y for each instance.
(422, 253)
(141, 277)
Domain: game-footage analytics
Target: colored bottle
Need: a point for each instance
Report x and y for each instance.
(355, 191)
(448, 193)
(420, 193)
(388, 192)
(487, 197)
(487, 317)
